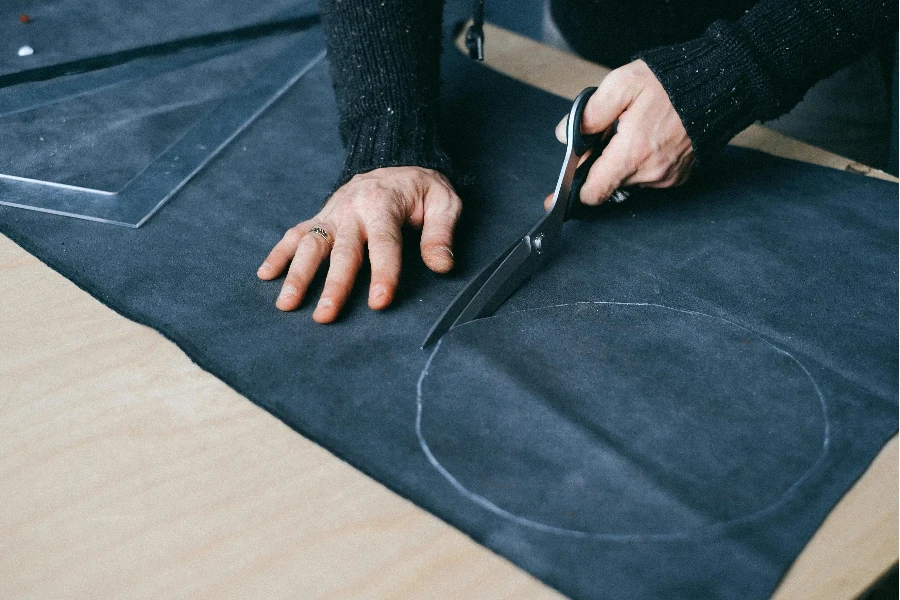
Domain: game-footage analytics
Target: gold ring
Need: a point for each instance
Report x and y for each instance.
(323, 234)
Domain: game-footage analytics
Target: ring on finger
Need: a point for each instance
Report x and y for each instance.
(324, 235)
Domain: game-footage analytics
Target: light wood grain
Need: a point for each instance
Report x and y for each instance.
(858, 541)
(128, 472)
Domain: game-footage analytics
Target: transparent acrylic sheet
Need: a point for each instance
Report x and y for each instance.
(149, 190)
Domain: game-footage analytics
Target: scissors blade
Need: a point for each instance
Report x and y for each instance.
(497, 281)
(463, 298)
(494, 284)
(511, 273)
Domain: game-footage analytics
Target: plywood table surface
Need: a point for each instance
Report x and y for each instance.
(128, 472)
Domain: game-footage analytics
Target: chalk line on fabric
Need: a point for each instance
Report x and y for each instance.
(615, 537)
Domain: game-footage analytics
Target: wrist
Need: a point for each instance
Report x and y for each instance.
(393, 140)
(713, 83)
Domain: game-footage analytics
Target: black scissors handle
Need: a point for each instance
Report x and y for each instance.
(581, 143)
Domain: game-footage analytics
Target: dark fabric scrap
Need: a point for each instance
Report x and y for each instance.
(655, 431)
(67, 35)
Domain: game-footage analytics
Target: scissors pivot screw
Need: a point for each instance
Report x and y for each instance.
(537, 242)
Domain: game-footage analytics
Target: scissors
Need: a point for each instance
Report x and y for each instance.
(490, 288)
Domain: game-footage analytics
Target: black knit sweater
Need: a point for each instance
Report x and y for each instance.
(754, 63)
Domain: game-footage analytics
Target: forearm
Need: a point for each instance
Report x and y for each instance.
(385, 63)
(759, 67)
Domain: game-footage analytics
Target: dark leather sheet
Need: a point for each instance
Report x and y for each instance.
(668, 410)
(70, 35)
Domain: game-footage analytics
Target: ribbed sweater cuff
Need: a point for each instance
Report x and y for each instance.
(393, 140)
(714, 85)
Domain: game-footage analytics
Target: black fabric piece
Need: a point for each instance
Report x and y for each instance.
(208, 40)
(773, 253)
(886, 588)
(71, 35)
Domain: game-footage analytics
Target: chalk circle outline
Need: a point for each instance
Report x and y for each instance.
(706, 529)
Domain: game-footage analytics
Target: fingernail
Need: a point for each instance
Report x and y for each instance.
(264, 268)
(443, 251)
(288, 291)
(377, 292)
(324, 303)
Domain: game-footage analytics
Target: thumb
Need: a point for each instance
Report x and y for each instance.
(442, 210)
(561, 130)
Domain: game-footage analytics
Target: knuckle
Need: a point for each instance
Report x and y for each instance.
(456, 206)
(448, 213)
(292, 236)
(612, 81)
(633, 160)
(641, 151)
(311, 244)
(367, 196)
(636, 71)
(293, 283)
(619, 81)
(383, 206)
(658, 173)
(347, 253)
(385, 237)
(333, 289)
(383, 218)
(419, 181)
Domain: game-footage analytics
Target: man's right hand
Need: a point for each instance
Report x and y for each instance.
(370, 209)
(651, 147)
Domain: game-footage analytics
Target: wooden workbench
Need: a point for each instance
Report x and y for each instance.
(128, 472)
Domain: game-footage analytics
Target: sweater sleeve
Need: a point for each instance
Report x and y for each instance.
(385, 63)
(760, 66)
